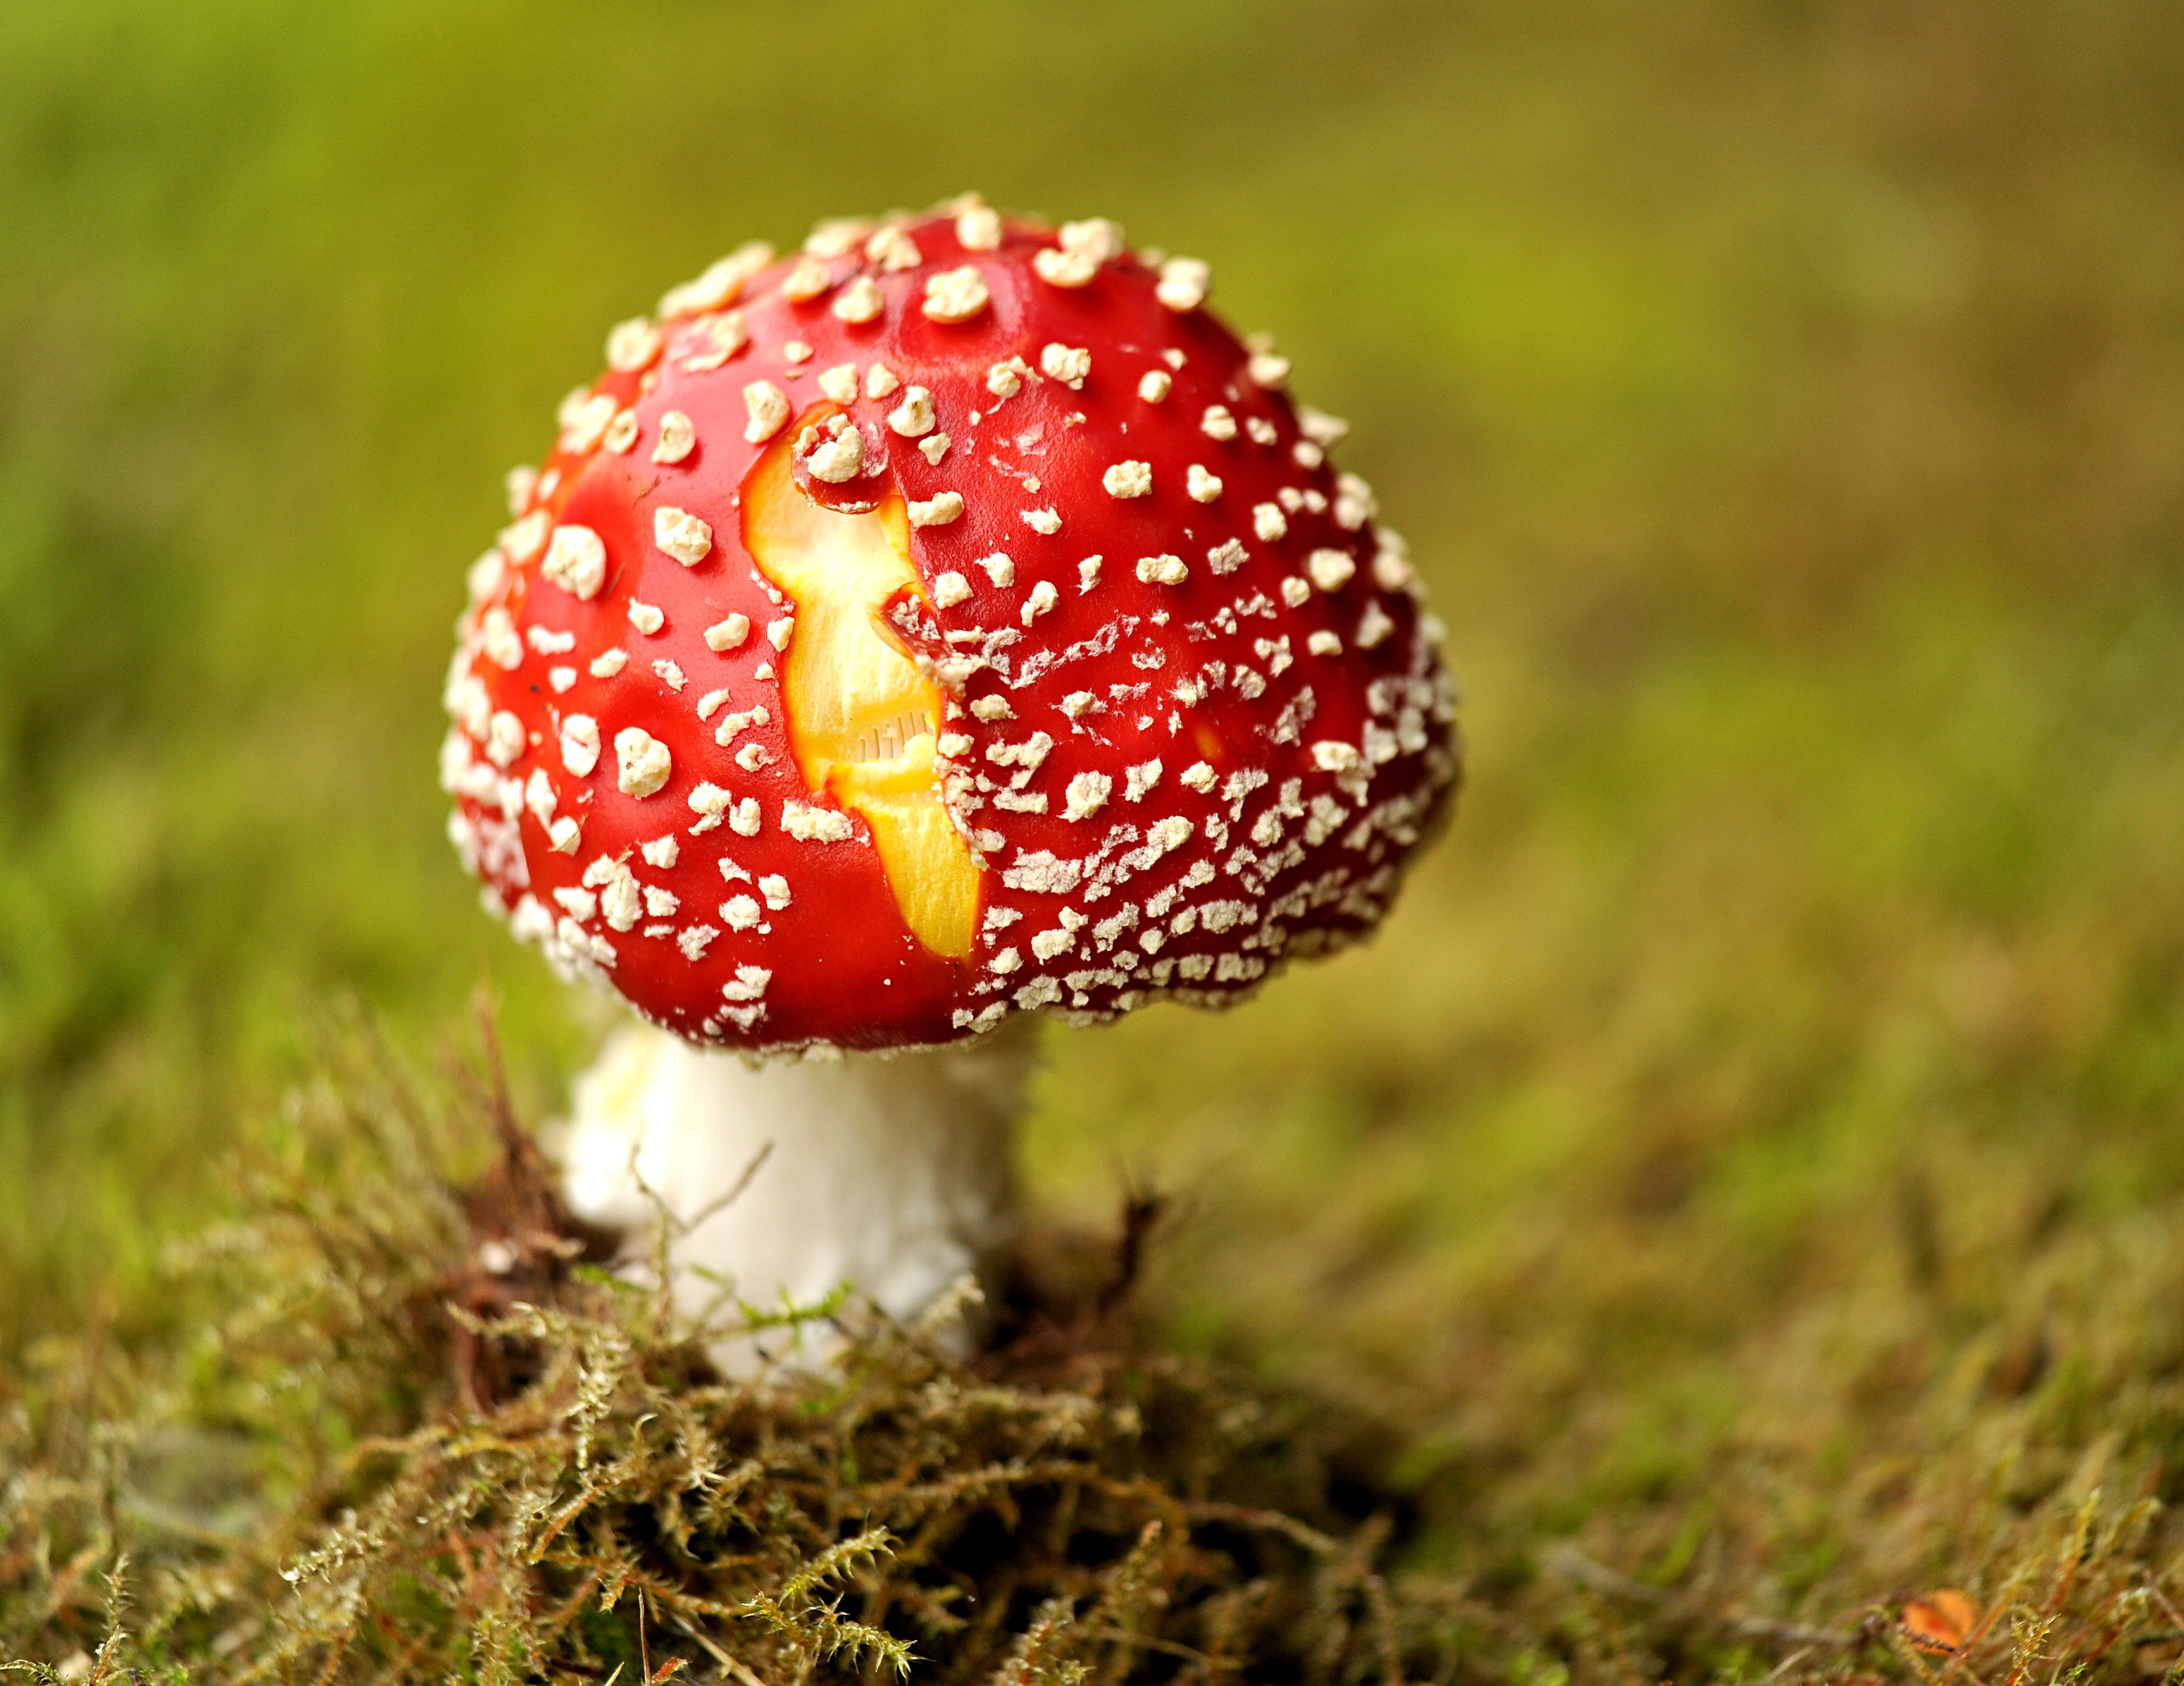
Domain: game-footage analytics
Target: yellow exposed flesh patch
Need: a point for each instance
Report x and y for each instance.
(862, 721)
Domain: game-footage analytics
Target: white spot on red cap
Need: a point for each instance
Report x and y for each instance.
(521, 539)
(768, 409)
(806, 281)
(1029, 754)
(580, 745)
(1063, 268)
(836, 236)
(677, 437)
(937, 510)
(710, 802)
(681, 535)
(1087, 795)
(832, 451)
(978, 228)
(862, 300)
(750, 983)
(1184, 284)
(642, 763)
(633, 345)
(807, 824)
(718, 339)
(893, 249)
(1067, 363)
(955, 295)
(1391, 563)
(720, 284)
(1084, 246)
(1038, 870)
(576, 561)
(503, 646)
(1128, 479)
(914, 414)
(586, 423)
(729, 634)
(1330, 570)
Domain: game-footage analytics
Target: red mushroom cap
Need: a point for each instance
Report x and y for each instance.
(954, 619)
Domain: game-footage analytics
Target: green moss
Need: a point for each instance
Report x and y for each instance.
(381, 1463)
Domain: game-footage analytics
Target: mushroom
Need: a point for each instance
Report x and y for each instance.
(952, 622)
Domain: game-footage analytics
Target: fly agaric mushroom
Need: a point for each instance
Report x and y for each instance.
(952, 621)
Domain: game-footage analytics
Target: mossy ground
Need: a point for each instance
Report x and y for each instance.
(385, 1460)
(1749, 1160)
(417, 1436)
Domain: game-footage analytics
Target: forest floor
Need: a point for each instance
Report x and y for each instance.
(1737, 1208)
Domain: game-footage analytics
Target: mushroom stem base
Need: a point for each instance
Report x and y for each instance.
(891, 1174)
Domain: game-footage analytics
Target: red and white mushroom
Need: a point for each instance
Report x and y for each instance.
(952, 620)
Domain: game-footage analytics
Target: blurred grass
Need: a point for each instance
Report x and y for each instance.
(1786, 401)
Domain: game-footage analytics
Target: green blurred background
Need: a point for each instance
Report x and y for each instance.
(1785, 400)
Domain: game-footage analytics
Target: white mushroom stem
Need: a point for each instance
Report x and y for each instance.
(891, 1174)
